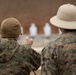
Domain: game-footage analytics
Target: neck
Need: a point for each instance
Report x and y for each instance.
(67, 30)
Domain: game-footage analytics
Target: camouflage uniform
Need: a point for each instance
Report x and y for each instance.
(59, 56)
(17, 59)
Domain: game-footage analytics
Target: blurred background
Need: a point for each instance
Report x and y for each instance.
(34, 15)
(32, 11)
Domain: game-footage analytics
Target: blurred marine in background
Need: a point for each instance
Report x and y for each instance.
(16, 59)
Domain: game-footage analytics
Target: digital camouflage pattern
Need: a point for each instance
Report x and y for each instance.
(59, 56)
(17, 59)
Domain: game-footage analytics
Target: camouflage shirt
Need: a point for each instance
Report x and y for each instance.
(17, 59)
(59, 56)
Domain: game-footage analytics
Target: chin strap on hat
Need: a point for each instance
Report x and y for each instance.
(34, 72)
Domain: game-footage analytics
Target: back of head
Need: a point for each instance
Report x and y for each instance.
(10, 27)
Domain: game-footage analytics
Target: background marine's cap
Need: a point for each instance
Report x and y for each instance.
(10, 27)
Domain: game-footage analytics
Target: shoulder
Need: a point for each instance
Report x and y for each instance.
(25, 47)
(53, 44)
(49, 47)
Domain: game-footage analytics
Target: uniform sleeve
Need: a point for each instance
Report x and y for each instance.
(49, 61)
(32, 58)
